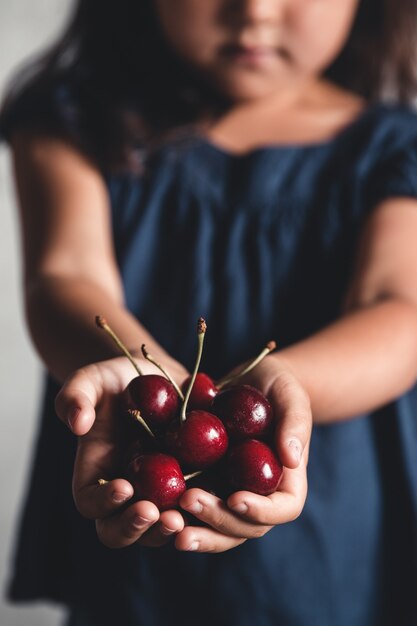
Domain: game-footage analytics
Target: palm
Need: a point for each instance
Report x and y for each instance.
(93, 394)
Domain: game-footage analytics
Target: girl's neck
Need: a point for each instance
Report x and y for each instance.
(312, 114)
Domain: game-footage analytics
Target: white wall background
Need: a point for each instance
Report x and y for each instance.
(25, 27)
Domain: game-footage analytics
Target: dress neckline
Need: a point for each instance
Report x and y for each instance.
(340, 135)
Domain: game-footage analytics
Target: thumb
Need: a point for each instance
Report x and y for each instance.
(292, 407)
(76, 401)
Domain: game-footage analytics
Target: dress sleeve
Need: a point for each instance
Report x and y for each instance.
(72, 109)
(51, 111)
(395, 173)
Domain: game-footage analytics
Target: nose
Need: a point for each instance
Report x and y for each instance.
(260, 10)
(254, 11)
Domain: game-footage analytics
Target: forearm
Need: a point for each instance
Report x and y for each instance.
(360, 362)
(61, 312)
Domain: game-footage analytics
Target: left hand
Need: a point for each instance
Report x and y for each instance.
(246, 515)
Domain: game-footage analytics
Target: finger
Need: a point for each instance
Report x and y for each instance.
(214, 512)
(170, 523)
(282, 506)
(200, 539)
(75, 403)
(100, 500)
(292, 404)
(124, 529)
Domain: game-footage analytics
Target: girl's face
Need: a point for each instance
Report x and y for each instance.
(250, 49)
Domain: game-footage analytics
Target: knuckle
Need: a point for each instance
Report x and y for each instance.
(219, 520)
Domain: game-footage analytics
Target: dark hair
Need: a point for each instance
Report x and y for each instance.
(111, 80)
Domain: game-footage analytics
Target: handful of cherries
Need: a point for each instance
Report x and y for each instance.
(214, 430)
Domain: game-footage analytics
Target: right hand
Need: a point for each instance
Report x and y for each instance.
(86, 403)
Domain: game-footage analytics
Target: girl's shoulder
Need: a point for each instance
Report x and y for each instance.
(382, 149)
(385, 128)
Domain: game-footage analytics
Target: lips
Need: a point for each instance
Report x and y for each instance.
(252, 54)
(255, 50)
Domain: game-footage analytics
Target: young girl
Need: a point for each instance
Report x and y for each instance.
(230, 159)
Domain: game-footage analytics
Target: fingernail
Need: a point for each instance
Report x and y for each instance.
(195, 507)
(295, 446)
(242, 507)
(118, 497)
(167, 531)
(194, 546)
(72, 418)
(140, 522)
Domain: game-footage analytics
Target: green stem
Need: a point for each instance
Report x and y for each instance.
(201, 331)
(138, 417)
(193, 475)
(102, 323)
(271, 345)
(150, 358)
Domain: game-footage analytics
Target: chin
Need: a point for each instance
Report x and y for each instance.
(244, 91)
(246, 87)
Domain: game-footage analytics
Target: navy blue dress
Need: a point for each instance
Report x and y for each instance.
(262, 246)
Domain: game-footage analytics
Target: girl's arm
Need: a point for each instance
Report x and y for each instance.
(70, 273)
(70, 276)
(369, 356)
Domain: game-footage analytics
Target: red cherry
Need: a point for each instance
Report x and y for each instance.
(244, 411)
(252, 466)
(198, 442)
(137, 447)
(203, 392)
(154, 397)
(158, 478)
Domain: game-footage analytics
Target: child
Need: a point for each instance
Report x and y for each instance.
(228, 159)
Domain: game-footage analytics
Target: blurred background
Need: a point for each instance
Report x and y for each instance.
(26, 26)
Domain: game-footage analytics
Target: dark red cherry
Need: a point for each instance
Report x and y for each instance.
(252, 466)
(203, 392)
(154, 397)
(244, 411)
(139, 446)
(157, 478)
(198, 442)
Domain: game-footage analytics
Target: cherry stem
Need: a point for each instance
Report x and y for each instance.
(138, 417)
(102, 323)
(271, 345)
(201, 331)
(159, 366)
(193, 475)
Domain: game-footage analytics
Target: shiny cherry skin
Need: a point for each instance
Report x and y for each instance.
(157, 478)
(203, 392)
(155, 397)
(198, 442)
(245, 412)
(253, 466)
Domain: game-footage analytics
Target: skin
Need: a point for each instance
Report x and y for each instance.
(361, 361)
